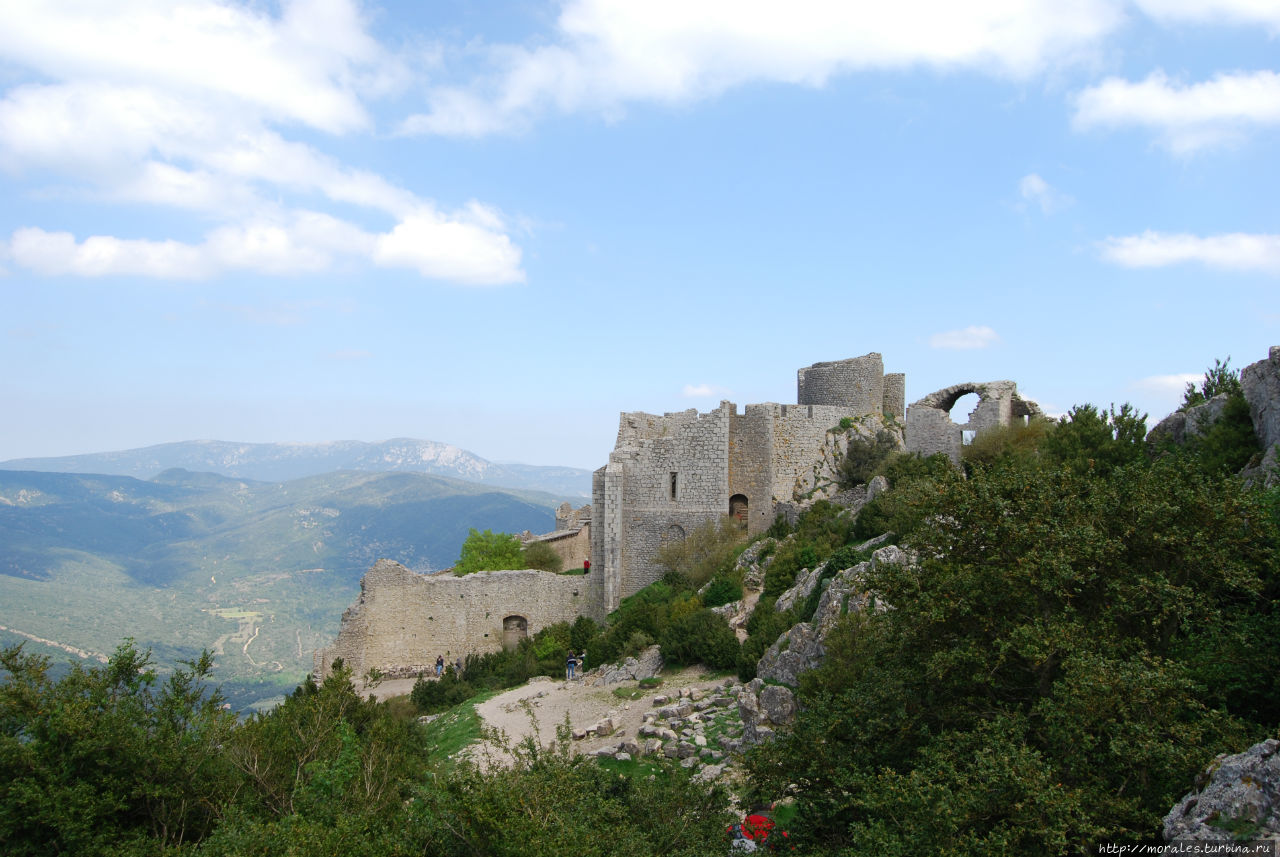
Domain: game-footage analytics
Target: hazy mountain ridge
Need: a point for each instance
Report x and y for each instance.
(257, 571)
(277, 462)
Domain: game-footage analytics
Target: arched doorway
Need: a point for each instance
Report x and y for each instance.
(514, 629)
(738, 507)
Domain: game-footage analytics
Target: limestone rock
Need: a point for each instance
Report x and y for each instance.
(806, 582)
(1240, 796)
(876, 486)
(778, 704)
(752, 566)
(798, 650)
(1261, 383)
(648, 665)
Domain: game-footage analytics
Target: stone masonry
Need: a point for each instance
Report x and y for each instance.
(403, 620)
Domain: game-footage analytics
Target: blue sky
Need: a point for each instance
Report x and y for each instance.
(499, 224)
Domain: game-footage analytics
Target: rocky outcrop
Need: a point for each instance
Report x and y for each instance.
(1181, 426)
(806, 582)
(751, 566)
(648, 665)
(1237, 797)
(1261, 383)
(801, 648)
(764, 708)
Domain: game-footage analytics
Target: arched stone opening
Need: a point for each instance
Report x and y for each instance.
(514, 629)
(674, 533)
(738, 507)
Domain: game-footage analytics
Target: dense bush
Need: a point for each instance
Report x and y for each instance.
(701, 637)
(721, 590)
(1062, 662)
(489, 551)
(543, 557)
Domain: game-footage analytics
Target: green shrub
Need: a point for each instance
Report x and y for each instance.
(489, 551)
(722, 590)
(701, 637)
(543, 557)
(1229, 443)
(433, 695)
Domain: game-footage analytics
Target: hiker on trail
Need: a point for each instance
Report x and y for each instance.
(457, 667)
(569, 664)
(439, 665)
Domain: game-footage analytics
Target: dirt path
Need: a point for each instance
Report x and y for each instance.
(550, 700)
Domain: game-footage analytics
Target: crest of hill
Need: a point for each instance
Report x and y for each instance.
(276, 462)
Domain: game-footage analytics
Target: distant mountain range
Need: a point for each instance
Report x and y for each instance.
(257, 571)
(278, 462)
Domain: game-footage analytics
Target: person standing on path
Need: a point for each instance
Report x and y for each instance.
(569, 664)
(439, 665)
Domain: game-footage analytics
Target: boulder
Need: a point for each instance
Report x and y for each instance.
(1237, 797)
(806, 582)
(648, 665)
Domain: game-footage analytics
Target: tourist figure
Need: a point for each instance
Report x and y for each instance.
(582, 663)
(586, 566)
(569, 664)
(439, 665)
(457, 667)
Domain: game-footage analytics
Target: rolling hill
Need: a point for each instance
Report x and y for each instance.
(258, 571)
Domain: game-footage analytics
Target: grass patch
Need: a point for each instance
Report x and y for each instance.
(630, 693)
(454, 731)
(643, 767)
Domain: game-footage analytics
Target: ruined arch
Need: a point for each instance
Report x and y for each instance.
(930, 428)
(514, 629)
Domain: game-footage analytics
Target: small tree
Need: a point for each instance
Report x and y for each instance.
(489, 551)
(1221, 378)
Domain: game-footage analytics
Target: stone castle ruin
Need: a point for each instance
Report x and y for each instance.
(666, 476)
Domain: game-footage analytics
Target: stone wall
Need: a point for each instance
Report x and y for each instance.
(403, 620)
(856, 384)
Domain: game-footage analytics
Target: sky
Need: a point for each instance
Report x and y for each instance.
(499, 224)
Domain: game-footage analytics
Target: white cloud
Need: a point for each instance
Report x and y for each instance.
(1166, 385)
(1189, 117)
(305, 66)
(452, 249)
(1036, 191)
(55, 253)
(967, 338)
(1233, 252)
(1265, 12)
(186, 104)
(610, 52)
(458, 250)
(703, 391)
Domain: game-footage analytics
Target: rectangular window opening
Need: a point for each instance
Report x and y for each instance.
(673, 485)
